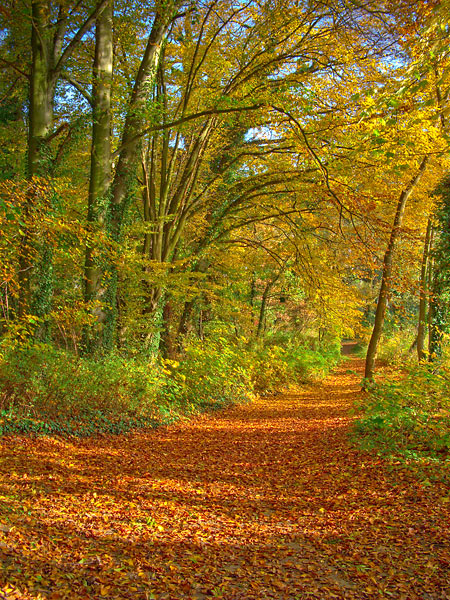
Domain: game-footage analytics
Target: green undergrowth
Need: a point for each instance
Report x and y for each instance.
(397, 348)
(45, 390)
(92, 423)
(48, 391)
(408, 418)
(277, 367)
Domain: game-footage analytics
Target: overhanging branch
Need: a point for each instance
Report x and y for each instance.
(186, 119)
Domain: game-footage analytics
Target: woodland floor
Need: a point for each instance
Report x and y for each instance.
(263, 501)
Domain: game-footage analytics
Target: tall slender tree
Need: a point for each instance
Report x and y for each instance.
(387, 270)
(51, 48)
(101, 167)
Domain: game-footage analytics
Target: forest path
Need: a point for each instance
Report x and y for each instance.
(262, 501)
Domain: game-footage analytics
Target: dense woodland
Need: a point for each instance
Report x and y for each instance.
(201, 199)
(224, 294)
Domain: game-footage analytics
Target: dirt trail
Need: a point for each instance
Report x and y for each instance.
(264, 501)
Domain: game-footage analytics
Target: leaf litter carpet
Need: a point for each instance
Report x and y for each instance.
(262, 501)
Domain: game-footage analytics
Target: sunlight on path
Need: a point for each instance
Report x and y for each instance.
(265, 501)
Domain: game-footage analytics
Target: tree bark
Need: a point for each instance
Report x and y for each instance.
(166, 342)
(124, 177)
(201, 266)
(184, 320)
(262, 309)
(40, 116)
(430, 303)
(47, 60)
(387, 272)
(100, 176)
(135, 119)
(41, 90)
(439, 287)
(423, 299)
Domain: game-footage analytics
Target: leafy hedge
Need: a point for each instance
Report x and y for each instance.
(45, 390)
(211, 374)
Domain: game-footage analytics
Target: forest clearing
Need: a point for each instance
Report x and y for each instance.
(265, 500)
(203, 205)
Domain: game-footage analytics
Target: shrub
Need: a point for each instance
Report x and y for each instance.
(275, 367)
(44, 384)
(410, 417)
(212, 373)
(397, 348)
(272, 371)
(47, 390)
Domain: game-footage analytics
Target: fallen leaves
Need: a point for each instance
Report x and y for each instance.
(264, 501)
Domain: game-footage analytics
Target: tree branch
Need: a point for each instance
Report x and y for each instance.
(181, 120)
(78, 37)
(13, 66)
(77, 85)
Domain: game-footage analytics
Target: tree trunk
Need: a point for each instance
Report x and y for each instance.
(264, 298)
(40, 123)
(41, 91)
(262, 309)
(166, 342)
(439, 263)
(430, 303)
(100, 170)
(387, 272)
(421, 329)
(436, 320)
(124, 178)
(438, 307)
(201, 266)
(440, 288)
(47, 60)
(135, 120)
(184, 320)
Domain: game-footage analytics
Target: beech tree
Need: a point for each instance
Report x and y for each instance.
(55, 34)
(163, 138)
